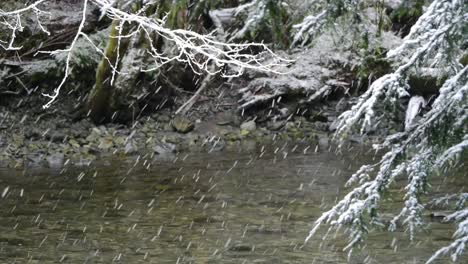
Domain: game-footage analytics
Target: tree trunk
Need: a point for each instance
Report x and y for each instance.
(99, 109)
(117, 101)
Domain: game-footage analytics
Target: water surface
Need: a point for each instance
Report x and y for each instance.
(252, 206)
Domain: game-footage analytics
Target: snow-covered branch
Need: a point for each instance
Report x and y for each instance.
(432, 39)
(427, 147)
(69, 51)
(412, 153)
(255, 12)
(12, 21)
(196, 50)
(313, 24)
(191, 45)
(442, 22)
(457, 247)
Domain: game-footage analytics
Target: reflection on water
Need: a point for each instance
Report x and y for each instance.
(249, 207)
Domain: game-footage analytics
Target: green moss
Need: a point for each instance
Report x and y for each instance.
(464, 59)
(178, 14)
(98, 103)
(244, 133)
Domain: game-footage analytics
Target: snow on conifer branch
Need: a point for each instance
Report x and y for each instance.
(429, 146)
(446, 19)
(457, 247)
(429, 39)
(415, 154)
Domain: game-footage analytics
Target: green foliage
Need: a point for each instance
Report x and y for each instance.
(382, 23)
(177, 15)
(202, 8)
(408, 11)
(190, 15)
(273, 27)
(442, 133)
(278, 20)
(373, 63)
(406, 15)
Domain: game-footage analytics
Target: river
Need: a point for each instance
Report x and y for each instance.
(251, 206)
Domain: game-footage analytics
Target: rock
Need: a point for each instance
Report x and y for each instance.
(130, 147)
(321, 126)
(290, 126)
(426, 81)
(331, 118)
(173, 138)
(393, 4)
(232, 137)
(227, 118)
(55, 160)
(248, 126)
(342, 105)
(120, 140)
(241, 247)
(94, 135)
(18, 140)
(356, 139)
(56, 136)
(162, 118)
(33, 133)
(244, 132)
(35, 160)
(182, 124)
(323, 141)
(275, 125)
(284, 112)
(77, 131)
(165, 148)
(74, 143)
(105, 143)
(214, 144)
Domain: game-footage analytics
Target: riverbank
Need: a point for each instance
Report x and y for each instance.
(300, 105)
(30, 136)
